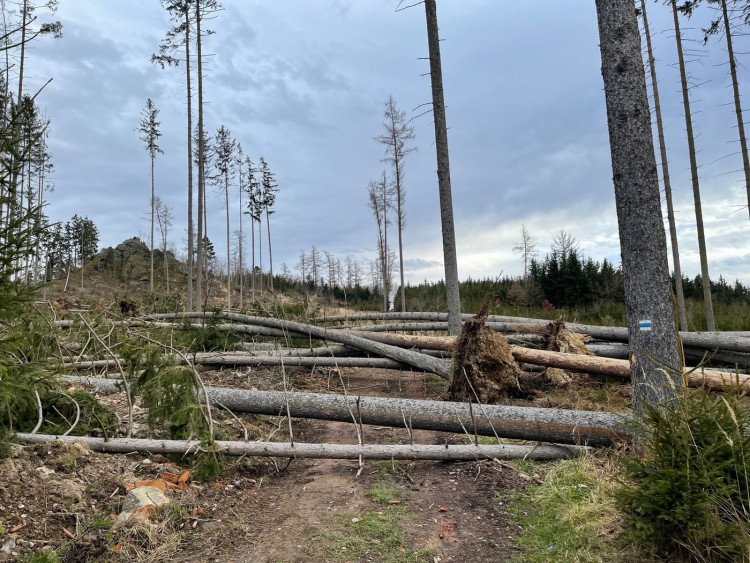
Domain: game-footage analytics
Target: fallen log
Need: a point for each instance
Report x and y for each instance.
(422, 316)
(414, 359)
(258, 361)
(712, 379)
(524, 423)
(328, 451)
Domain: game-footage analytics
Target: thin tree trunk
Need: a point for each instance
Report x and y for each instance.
(325, 451)
(386, 288)
(400, 237)
(270, 255)
(737, 105)
(229, 254)
(707, 301)
(452, 296)
(241, 243)
(252, 277)
(152, 223)
(201, 177)
(260, 255)
(191, 234)
(681, 310)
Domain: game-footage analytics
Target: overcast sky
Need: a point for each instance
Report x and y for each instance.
(303, 83)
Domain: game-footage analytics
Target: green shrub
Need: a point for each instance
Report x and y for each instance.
(688, 495)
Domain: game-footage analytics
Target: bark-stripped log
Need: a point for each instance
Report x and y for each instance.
(257, 361)
(523, 423)
(328, 451)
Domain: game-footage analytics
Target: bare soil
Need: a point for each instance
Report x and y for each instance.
(261, 510)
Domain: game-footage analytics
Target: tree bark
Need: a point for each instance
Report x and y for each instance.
(191, 242)
(452, 297)
(707, 300)
(523, 423)
(737, 104)
(201, 173)
(327, 451)
(648, 301)
(679, 294)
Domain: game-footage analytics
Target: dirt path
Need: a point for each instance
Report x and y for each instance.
(261, 511)
(452, 511)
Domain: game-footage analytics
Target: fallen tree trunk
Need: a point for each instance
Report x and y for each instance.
(422, 316)
(414, 359)
(328, 451)
(257, 361)
(712, 379)
(523, 423)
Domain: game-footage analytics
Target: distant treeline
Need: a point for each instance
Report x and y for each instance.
(559, 281)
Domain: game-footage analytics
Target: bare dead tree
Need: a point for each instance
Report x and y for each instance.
(707, 301)
(526, 247)
(397, 133)
(164, 219)
(452, 296)
(679, 294)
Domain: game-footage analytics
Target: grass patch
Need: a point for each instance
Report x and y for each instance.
(381, 494)
(377, 533)
(572, 517)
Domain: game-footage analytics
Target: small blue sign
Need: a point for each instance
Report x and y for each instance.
(645, 325)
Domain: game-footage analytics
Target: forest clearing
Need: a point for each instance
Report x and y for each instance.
(184, 401)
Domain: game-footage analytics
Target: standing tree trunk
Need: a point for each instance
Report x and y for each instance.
(241, 240)
(737, 105)
(681, 310)
(229, 252)
(270, 255)
(386, 286)
(153, 195)
(201, 176)
(650, 315)
(191, 235)
(710, 324)
(452, 296)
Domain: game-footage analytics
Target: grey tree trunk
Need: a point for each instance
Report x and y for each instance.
(565, 426)
(679, 294)
(153, 195)
(270, 251)
(737, 105)
(707, 302)
(191, 234)
(452, 297)
(229, 252)
(386, 285)
(648, 301)
(201, 173)
(328, 451)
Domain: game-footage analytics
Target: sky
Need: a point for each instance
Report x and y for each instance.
(304, 82)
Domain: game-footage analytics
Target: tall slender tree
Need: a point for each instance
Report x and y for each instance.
(679, 294)
(723, 24)
(650, 315)
(224, 149)
(239, 161)
(398, 132)
(526, 247)
(179, 37)
(149, 129)
(252, 187)
(707, 300)
(452, 296)
(269, 189)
